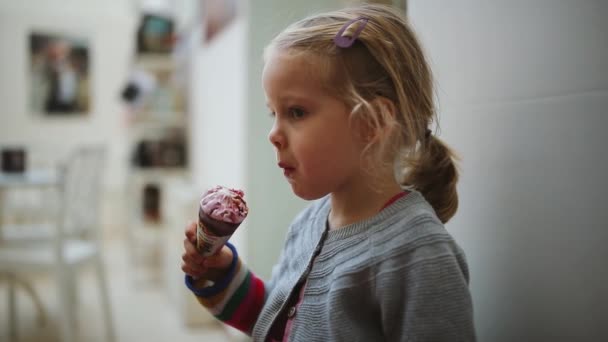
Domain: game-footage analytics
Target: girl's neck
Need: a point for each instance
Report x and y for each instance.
(359, 203)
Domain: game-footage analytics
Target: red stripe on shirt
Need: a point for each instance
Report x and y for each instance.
(248, 310)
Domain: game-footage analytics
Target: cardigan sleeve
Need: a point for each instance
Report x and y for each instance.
(236, 299)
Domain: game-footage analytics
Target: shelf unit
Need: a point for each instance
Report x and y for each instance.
(159, 143)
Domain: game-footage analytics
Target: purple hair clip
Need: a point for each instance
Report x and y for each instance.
(346, 42)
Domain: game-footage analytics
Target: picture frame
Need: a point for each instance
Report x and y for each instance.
(59, 74)
(155, 35)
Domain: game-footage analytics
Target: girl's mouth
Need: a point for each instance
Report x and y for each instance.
(287, 170)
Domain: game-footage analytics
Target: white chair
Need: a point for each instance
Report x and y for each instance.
(75, 241)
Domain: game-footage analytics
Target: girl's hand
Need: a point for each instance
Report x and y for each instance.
(197, 266)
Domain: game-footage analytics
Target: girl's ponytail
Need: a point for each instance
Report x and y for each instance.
(434, 174)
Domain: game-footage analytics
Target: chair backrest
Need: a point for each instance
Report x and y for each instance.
(82, 183)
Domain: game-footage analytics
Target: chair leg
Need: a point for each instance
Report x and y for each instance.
(12, 304)
(105, 299)
(66, 322)
(37, 302)
(73, 296)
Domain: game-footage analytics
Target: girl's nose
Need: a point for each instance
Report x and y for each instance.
(276, 137)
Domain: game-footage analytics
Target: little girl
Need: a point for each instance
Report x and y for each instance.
(369, 260)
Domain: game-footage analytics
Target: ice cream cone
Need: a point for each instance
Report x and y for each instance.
(221, 212)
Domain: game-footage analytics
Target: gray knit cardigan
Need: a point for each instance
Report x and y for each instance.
(397, 276)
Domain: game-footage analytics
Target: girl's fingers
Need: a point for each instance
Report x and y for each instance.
(192, 263)
(193, 271)
(189, 247)
(191, 231)
(219, 260)
(195, 267)
(190, 253)
(195, 264)
(192, 259)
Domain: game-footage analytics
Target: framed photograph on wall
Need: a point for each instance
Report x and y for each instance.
(59, 80)
(155, 35)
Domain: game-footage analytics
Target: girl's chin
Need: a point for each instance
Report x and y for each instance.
(306, 195)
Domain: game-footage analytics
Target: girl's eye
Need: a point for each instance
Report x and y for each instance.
(272, 114)
(297, 113)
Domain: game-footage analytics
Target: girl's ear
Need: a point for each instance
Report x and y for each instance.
(377, 121)
(384, 117)
(386, 108)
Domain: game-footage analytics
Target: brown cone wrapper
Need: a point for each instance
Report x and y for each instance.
(212, 234)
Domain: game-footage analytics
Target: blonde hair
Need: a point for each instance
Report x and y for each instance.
(386, 61)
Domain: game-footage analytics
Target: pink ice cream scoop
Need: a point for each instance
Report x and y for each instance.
(221, 211)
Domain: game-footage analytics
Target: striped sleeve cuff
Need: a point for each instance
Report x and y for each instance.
(237, 299)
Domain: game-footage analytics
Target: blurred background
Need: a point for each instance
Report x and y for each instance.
(139, 106)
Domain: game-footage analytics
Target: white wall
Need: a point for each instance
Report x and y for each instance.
(219, 118)
(523, 89)
(109, 27)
